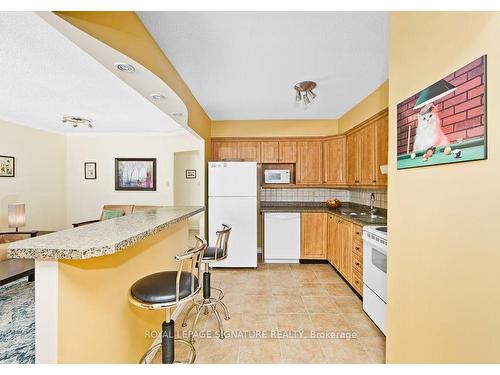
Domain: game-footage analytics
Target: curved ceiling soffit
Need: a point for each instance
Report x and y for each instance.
(142, 80)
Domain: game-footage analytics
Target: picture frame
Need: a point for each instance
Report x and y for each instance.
(7, 166)
(90, 170)
(135, 174)
(446, 122)
(190, 174)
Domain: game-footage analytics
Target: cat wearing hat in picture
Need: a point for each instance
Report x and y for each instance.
(429, 133)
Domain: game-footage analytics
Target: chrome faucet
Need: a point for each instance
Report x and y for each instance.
(373, 210)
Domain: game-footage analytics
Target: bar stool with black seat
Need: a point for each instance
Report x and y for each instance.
(213, 254)
(167, 290)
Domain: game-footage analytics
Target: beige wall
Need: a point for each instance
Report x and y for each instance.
(443, 277)
(40, 176)
(273, 128)
(85, 198)
(377, 101)
(188, 191)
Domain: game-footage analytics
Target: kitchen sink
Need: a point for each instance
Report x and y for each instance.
(373, 220)
(365, 217)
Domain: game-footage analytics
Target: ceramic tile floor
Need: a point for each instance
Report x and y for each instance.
(281, 313)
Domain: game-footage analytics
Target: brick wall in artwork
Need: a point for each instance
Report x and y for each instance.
(461, 112)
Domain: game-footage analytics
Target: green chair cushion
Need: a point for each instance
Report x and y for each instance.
(111, 214)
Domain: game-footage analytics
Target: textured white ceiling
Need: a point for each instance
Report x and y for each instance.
(243, 65)
(45, 76)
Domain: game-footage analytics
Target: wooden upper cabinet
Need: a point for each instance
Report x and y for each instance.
(223, 150)
(310, 162)
(334, 161)
(313, 235)
(366, 154)
(287, 152)
(353, 159)
(249, 151)
(353, 172)
(269, 152)
(381, 149)
(367, 149)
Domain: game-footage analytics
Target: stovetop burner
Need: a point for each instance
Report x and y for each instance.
(382, 229)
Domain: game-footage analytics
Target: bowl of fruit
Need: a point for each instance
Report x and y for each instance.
(333, 203)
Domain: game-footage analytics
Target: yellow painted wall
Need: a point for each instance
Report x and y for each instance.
(274, 128)
(369, 106)
(97, 323)
(444, 253)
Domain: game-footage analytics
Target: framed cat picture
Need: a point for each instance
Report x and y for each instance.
(445, 122)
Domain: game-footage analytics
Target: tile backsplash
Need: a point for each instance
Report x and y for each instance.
(361, 196)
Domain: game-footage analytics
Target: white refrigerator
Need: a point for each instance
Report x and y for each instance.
(232, 200)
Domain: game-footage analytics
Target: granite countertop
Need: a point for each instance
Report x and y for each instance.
(102, 238)
(343, 211)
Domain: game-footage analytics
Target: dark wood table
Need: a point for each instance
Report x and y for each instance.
(13, 269)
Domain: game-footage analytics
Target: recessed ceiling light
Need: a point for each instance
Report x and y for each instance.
(76, 121)
(124, 67)
(157, 96)
(176, 114)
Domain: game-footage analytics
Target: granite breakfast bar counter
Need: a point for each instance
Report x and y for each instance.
(82, 280)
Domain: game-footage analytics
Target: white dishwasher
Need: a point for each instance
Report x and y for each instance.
(281, 237)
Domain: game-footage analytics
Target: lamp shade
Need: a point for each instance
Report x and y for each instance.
(434, 92)
(17, 215)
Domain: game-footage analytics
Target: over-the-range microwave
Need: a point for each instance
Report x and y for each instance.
(277, 176)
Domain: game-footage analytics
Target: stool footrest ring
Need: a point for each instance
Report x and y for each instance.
(157, 347)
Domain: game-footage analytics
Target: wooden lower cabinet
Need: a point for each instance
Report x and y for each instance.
(345, 251)
(345, 233)
(357, 259)
(313, 235)
(333, 254)
(330, 237)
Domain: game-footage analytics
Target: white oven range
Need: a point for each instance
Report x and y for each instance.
(375, 274)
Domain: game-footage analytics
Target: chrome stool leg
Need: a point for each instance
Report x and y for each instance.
(224, 307)
(208, 302)
(219, 301)
(195, 321)
(217, 315)
(184, 320)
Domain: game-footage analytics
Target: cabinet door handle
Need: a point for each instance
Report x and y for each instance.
(374, 180)
(357, 264)
(357, 247)
(356, 282)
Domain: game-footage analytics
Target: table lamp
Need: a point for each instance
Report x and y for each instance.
(17, 216)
